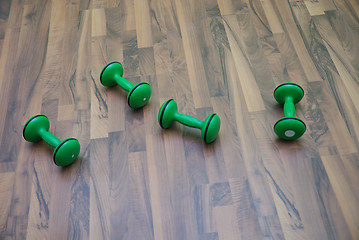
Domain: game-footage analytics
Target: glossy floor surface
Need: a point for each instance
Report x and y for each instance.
(135, 180)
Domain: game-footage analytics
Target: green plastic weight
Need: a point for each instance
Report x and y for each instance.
(66, 151)
(289, 127)
(138, 95)
(209, 127)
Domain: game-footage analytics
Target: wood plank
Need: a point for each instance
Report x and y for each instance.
(319, 7)
(212, 8)
(143, 23)
(7, 61)
(229, 120)
(99, 217)
(162, 213)
(338, 128)
(98, 23)
(181, 198)
(341, 40)
(141, 211)
(179, 75)
(146, 62)
(78, 219)
(226, 223)
(135, 123)
(119, 186)
(230, 7)
(113, 51)
(195, 66)
(344, 187)
(25, 68)
(39, 207)
(7, 180)
(99, 107)
(272, 16)
(246, 78)
(129, 17)
(295, 37)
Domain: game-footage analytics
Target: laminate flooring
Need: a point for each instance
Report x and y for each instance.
(135, 180)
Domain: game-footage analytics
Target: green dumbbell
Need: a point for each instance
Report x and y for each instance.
(209, 127)
(66, 151)
(138, 95)
(289, 127)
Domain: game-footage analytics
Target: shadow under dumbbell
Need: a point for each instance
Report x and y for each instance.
(79, 163)
(282, 143)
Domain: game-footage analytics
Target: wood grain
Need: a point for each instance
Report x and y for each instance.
(135, 180)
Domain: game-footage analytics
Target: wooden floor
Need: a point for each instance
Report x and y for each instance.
(134, 180)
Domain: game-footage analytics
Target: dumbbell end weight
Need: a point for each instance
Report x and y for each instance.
(139, 95)
(67, 152)
(109, 71)
(289, 128)
(288, 90)
(211, 126)
(167, 112)
(33, 126)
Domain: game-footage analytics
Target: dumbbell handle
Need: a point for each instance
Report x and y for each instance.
(49, 138)
(123, 82)
(188, 120)
(289, 109)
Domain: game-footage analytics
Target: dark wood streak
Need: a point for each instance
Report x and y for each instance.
(293, 213)
(79, 217)
(324, 193)
(98, 195)
(72, 86)
(317, 128)
(220, 194)
(44, 212)
(103, 108)
(246, 213)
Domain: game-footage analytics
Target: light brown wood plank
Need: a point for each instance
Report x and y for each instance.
(226, 222)
(99, 107)
(143, 23)
(230, 7)
(294, 35)
(98, 25)
(272, 16)
(319, 7)
(246, 79)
